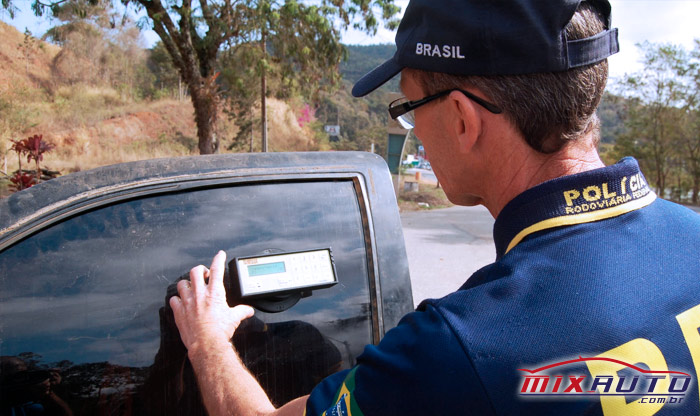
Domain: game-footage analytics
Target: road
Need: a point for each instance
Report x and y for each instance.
(445, 246)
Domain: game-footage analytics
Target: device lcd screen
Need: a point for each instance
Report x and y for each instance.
(284, 272)
(269, 268)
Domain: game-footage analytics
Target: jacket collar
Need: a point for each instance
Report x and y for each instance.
(576, 199)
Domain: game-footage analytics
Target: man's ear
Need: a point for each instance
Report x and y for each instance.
(465, 120)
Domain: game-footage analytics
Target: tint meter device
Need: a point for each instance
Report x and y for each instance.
(276, 282)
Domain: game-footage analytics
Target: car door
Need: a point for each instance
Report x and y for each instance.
(87, 274)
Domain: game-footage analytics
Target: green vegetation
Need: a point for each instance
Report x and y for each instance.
(611, 118)
(363, 121)
(362, 59)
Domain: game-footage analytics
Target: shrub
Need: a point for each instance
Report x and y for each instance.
(33, 148)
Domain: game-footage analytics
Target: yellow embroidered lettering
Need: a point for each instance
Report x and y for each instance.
(606, 194)
(570, 196)
(634, 185)
(587, 193)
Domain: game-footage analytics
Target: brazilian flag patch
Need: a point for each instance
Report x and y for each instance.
(345, 404)
(340, 408)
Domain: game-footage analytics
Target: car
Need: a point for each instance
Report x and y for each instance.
(89, 260)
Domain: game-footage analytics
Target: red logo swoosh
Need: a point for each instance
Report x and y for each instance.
(581, 359)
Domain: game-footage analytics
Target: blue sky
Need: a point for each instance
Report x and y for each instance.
(659, 21)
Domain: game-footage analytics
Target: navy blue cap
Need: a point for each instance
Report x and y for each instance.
(491, 37)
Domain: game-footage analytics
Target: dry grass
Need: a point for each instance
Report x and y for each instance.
(80, 105)
(284, 131)
(143, 131)
(14, 71)
(96, 126)
(96, 130)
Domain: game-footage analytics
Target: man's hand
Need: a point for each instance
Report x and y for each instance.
(201, 312)
(206, 325)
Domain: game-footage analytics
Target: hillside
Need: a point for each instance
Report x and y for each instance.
(364, 58)
(95, 125)
(14, 71)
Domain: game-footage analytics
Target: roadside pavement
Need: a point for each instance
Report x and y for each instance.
(445, 246)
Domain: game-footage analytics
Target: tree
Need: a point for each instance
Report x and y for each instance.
(611, 121)
(99, 47)
(242, 95)
(195, 34)
(82, 42)
(167, 76)
(28, 47)
(658, 96)
(291, 49)
(691, 132)
(691, 147)
(299, 35)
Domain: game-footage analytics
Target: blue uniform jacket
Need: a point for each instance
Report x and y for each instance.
(592, 307)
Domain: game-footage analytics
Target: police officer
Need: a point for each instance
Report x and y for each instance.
(593, 303)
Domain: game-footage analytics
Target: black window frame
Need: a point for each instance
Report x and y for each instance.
(364, 183)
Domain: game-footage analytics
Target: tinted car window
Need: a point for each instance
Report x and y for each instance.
(85, 300)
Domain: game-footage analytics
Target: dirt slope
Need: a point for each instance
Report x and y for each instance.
(102, 129)
(13, 65)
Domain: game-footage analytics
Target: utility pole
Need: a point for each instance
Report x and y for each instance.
(263, 94)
